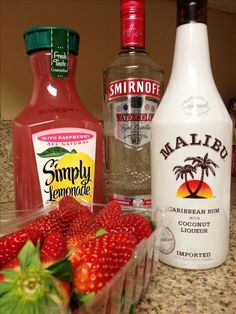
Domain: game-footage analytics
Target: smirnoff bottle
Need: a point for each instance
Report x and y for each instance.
(191, 151)
(132, 91)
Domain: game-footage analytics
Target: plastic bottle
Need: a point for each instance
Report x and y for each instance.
(57, 143)
(191, 151)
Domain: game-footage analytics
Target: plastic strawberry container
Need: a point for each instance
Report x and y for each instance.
(122, 293)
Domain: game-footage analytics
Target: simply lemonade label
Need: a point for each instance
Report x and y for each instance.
(65, 160)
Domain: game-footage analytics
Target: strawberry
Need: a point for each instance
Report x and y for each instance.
(30, 288)
(54, 247)
(81, 224)
(67, 210)
(81, 237)
(101, 258)
(11, 243)
(110, 212)
(47, 224)
(133, 223)
(67, 202)
(84, 211)
(74, 242)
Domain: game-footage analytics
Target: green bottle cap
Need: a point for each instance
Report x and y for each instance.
(39, 38)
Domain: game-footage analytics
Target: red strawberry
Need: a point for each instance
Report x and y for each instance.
(11, 243)
(47, 224)
(75, 242)
(81, 224)
(84, 211)
(79, 238)
(110, 212)
(133, 223)
(101, 259)
(54, 247)
(67, 210)
(67, 202)
(59, 224)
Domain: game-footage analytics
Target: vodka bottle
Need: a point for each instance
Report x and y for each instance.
(191, 151)
(132, 91)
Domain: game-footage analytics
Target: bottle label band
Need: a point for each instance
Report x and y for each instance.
(136, 201)
(132, 31)
(132, 120)
(59, 52)
(65, 160)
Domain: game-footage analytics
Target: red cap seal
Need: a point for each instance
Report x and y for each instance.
(132, 15)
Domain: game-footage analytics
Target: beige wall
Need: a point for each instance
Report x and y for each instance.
(97, 21)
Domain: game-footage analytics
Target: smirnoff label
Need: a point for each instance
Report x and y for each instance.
(132, 117)
(134, 86)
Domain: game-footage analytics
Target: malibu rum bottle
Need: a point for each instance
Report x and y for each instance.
(191, 151)
(132, 91)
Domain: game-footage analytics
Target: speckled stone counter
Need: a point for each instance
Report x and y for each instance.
(171, 291)
(6, 173)
(175, 291)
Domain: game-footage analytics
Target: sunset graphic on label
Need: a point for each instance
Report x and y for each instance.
(204, 192)
(193, 188)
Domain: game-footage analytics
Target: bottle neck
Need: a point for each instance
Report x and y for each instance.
(132, 28)
(191, 57)
(46, 85)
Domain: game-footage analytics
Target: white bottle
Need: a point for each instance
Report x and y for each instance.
(191, 152)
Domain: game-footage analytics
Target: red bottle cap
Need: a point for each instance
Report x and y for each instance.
(132, 15)
(132, 6)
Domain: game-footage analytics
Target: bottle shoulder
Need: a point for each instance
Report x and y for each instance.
(200, 107)
(131, 63)
(37, 113)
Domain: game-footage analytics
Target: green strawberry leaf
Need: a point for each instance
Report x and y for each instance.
(29, 256)
(62, 269)
(101, 232)
(131, 309)
(9, 273)
(153, 224)
(33, 290)
(5, 288)
(85, 298)
(53, 152)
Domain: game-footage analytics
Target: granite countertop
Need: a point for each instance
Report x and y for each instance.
(175, 291)
(171, 290)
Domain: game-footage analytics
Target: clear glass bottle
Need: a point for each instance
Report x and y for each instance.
(57, 143)
(132, 91)
(191, 151)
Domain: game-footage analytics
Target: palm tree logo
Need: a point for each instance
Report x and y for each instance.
(195, 188)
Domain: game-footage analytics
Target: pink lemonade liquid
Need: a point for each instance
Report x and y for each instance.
(57, 143)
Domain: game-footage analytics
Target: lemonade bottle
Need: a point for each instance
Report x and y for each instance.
(57, 143)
